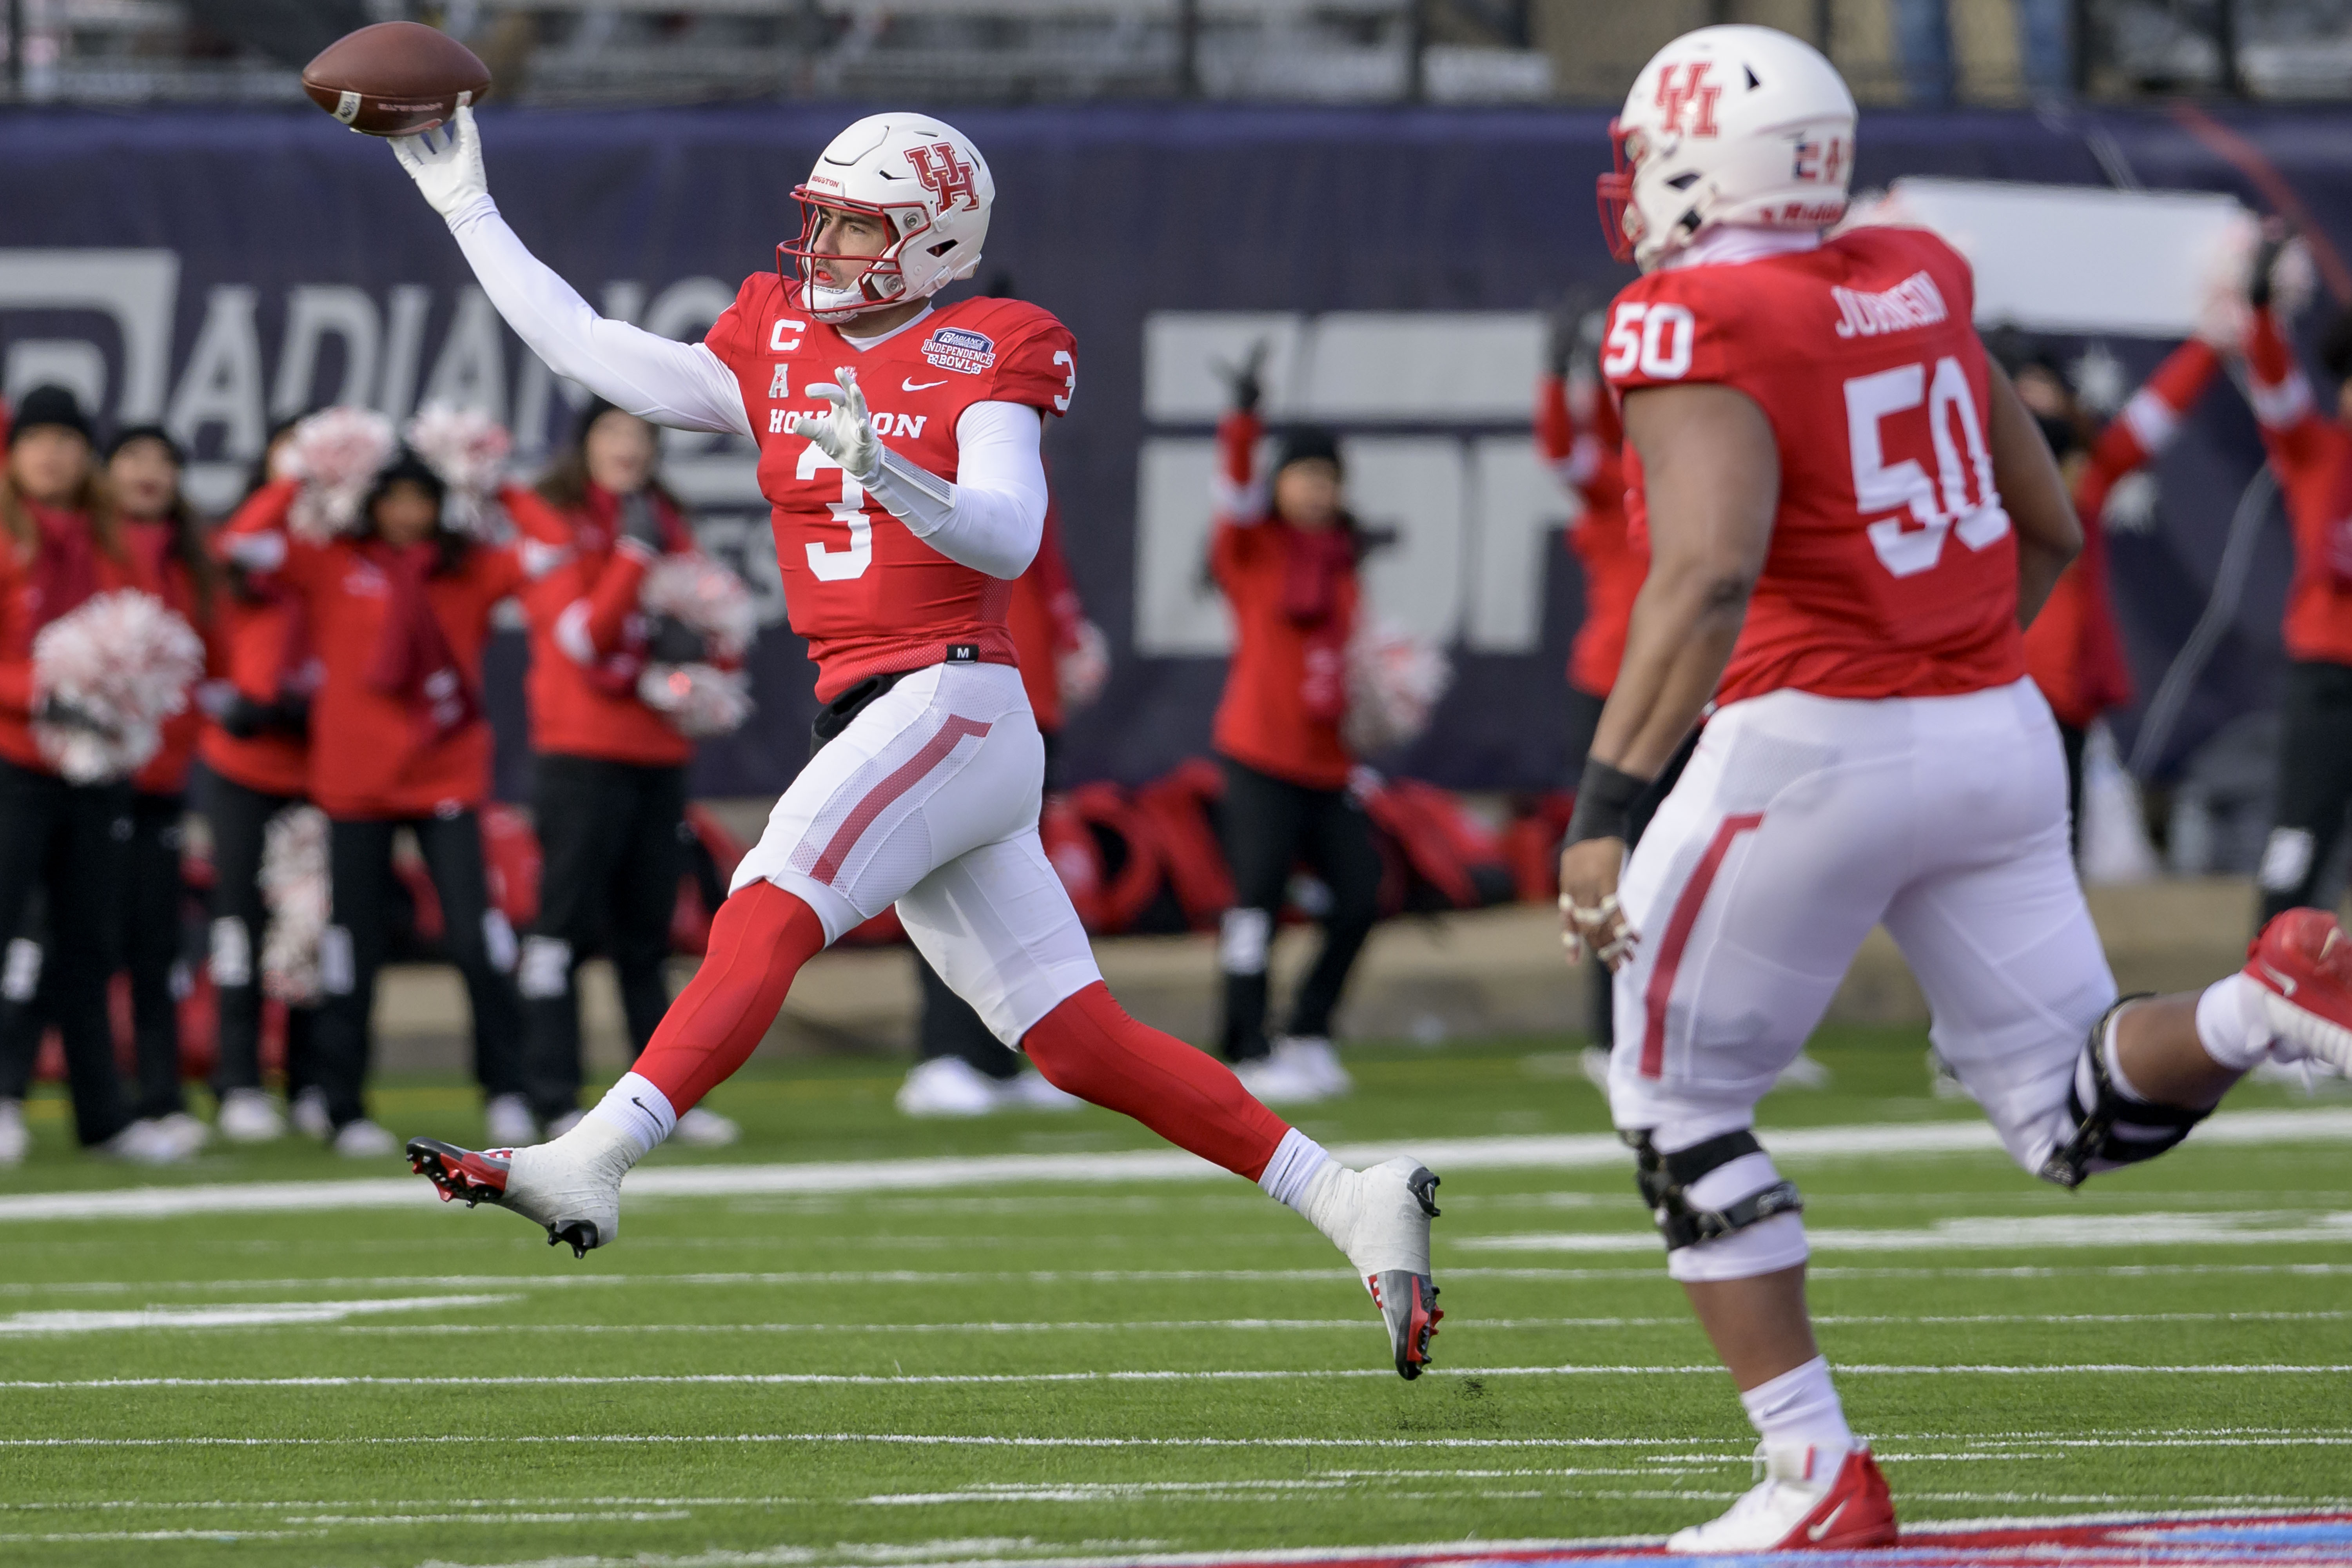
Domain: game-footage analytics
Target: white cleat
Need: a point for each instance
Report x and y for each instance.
(363, 1139)
(1380, 1218)
(704, 1128)
(249, 1116)
(1313, 1059)
(1273, 1080)
(570, 1187)
(150, 1142)
(943, 1087)
(307, 1115)
(1810, 1499)
(1029, 1091)
(508, 1121)
(13, 1138)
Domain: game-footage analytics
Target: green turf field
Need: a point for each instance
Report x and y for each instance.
(1097, 1367)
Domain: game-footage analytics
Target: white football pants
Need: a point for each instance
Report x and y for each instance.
(1801, 823)
(929, 800)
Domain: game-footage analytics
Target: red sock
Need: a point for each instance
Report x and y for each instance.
(759, 941)
(1089, 1046)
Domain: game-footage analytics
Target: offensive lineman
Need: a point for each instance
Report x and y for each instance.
(899, 527)
(1851, 517)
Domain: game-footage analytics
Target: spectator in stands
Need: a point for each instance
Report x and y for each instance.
(609, 773)
(2073, 649)
(2311, 454)
(399, 605)
(62, 542)
(964, 1069)
(1577, 436)
(255, 746)
(1285, 553)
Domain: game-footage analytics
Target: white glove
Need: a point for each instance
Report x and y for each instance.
(846, 434)
(446, 165)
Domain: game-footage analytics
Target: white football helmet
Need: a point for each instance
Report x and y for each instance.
(1735, 124)
(921, 176)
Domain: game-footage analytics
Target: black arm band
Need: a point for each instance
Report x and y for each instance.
(1604, 801)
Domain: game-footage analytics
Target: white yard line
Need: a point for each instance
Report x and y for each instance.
(1566, 1152)
(2007, 1233)
(242, 1315)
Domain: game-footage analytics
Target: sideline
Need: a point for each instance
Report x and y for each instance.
(1570, 1152)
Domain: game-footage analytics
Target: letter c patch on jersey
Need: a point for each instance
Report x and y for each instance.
(776, 336)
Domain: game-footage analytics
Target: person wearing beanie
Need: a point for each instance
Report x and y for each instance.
(62, 544)
(398, 606)
(1284, 553)
(608, 789)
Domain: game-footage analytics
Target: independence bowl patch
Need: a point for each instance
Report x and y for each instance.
(959, 349)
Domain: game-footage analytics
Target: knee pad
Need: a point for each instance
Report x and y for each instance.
(1242, 941)
(2111, 1128)
(232, 953)
(1665, 1181)
(545, 970)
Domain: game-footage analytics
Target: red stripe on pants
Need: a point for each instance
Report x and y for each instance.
(901, 779)
(1678, 937)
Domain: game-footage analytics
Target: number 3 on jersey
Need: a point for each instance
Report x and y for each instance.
(1937, 506)
(840, 566)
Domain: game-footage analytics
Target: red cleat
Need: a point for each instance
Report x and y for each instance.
(2303, 961)
(1803, 1504)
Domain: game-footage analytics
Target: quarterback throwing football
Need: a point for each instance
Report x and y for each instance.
(1851, 517)
(898, 447)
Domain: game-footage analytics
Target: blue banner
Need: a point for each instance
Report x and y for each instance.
(219, 269)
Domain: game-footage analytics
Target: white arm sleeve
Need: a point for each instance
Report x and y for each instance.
(682, 385)
(992, 516)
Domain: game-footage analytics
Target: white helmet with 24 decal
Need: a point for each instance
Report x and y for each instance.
(921, 176)
(1733, 124)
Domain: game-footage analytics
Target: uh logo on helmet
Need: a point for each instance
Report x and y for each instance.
(1735, 124)
(925, 180)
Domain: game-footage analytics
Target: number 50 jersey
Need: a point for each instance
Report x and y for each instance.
(1892, 570)
(869, 597)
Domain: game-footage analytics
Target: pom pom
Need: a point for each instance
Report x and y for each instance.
(1394, 681)
(107, 676)
(294, 886)
(698, 701)
(705, 598)
(336, 453)
(468, 449)
(1082, 671)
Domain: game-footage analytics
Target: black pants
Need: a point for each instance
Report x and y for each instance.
(239, 819)
(69, 841)
(2315, 784)
(612, 840)
(359, 858)
(1271, 826)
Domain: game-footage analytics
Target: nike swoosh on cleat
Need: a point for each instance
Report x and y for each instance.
(2287, 986)
(920, 386)
(1816, 1531)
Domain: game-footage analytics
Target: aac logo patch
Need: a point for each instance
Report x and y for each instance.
(959, 349)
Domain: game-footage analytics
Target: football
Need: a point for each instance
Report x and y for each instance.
(395, 78)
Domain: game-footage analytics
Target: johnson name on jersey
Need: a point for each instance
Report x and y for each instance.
(868, 595)
(1892, 570)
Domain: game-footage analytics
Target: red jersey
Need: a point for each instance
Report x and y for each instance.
(23, 614)
(582, 604)
(869, 597)
(370, 757)
(1891, 570)
(2072, 649)
(2311, 455)
(156, 544)
(263, 641)
(1590, 462)
(1293, 598)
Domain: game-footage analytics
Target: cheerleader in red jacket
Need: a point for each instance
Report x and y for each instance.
(399, 604)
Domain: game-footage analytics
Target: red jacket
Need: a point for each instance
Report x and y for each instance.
(1044, 618)
(2072, 650)
(264, 642)
(23, 614)
(156, 546)
(1592, 463)
(1286, 688)
(584, 623)
(2312, 457)
(370, 758)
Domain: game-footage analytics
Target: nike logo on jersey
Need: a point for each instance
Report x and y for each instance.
(920, 386)
(1815, 1533)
